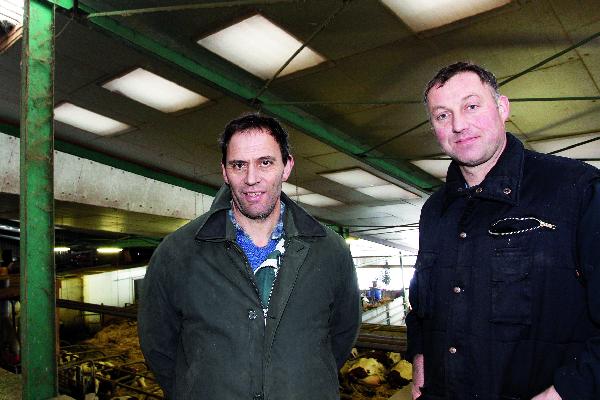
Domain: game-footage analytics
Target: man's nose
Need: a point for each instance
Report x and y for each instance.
(459, 122)
(252, 175)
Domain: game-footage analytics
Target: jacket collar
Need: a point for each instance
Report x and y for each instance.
(216, 225)
(502, 183)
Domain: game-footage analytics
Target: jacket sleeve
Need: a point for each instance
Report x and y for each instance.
(581, 378)
(414, 334)
(158, 322)
(346, 317)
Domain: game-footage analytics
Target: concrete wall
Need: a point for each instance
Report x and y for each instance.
(83, 181)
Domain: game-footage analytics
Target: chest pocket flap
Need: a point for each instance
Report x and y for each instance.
(511, 286)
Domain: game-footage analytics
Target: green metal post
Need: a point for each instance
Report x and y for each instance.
(38, 300)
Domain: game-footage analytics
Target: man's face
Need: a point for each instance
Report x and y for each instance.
(468, 120)
(254, 170)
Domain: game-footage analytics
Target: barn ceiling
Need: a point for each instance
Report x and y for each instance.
(361, 108)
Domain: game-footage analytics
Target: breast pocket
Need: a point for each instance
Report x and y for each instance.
(511, 286)
(424, 284)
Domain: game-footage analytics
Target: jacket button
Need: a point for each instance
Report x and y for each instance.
(257, 396)
(462, 235)
(252, 314)
(456, 289)
(479, 190)
(452, 350)
(506, 191)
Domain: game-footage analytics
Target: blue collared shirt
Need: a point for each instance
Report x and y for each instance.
(255, 254)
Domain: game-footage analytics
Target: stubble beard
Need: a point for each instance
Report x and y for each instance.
(256, 217)
(485, 158)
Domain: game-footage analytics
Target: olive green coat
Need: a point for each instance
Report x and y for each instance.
(201, 324)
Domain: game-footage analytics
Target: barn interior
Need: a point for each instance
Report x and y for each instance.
(127, 163)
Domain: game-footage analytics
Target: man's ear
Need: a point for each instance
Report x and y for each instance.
(287, 169)
(504, 107)
(224, 171)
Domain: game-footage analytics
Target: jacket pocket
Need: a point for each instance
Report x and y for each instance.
(424, 277)
(511, 286)
(328, 361)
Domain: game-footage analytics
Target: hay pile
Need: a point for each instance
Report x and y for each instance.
(120, 336)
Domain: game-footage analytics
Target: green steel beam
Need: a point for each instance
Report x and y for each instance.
(38, 292)
(128, 166)
(247, 90)
(185, 7)
(66, 4)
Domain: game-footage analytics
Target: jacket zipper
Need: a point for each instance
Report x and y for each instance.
(250, 276)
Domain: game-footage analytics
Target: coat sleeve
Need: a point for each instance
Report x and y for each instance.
(345, 321)
(414, 321)
(581, 378)
(414, 334)
(158, 321)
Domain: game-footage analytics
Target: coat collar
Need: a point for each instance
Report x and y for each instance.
(216, 225)
(502, 183)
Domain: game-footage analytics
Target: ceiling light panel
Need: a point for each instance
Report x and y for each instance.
(437, 168)
(587, 150)
(12, 11)
(388, 192)
(86, 120)
(293, 190)
(260, 47)
(594, 163)
(155, 91)
(355, 178)
(422, 15)
(318, 200)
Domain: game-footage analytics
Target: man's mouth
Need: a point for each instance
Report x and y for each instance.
(252, 195)
(466, 140)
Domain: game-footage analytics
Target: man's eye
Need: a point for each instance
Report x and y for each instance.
(266, 163)
(238, 165)
(441, 117)
(472, 107)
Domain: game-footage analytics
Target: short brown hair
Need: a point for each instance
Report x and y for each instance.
(255, 121)
(449, 71)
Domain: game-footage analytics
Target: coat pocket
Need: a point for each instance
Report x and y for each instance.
(424, 284)
(511, 286)
(328, 361)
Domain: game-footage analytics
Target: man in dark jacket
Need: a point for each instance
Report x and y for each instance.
(254, 299)
(506, 294)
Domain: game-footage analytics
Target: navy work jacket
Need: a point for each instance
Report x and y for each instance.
(506, 294)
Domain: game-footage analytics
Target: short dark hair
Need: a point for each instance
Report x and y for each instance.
(255, 121)
(449, 71)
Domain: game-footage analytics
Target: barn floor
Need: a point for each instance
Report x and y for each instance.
(10, 385)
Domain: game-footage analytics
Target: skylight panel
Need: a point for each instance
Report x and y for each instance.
(11, 11)
(301, 195)
(437, 168)
(86, 120)
(422, 15)
(155, 91)
(293, 190)
(594, 163)
(369, 184)
(355, 178)
(388, 192)
(260, 47)
(318, 200)
(586, 150)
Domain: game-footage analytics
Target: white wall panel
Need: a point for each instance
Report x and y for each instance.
(83, 181)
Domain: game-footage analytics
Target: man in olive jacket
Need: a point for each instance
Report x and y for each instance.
(254, 299)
